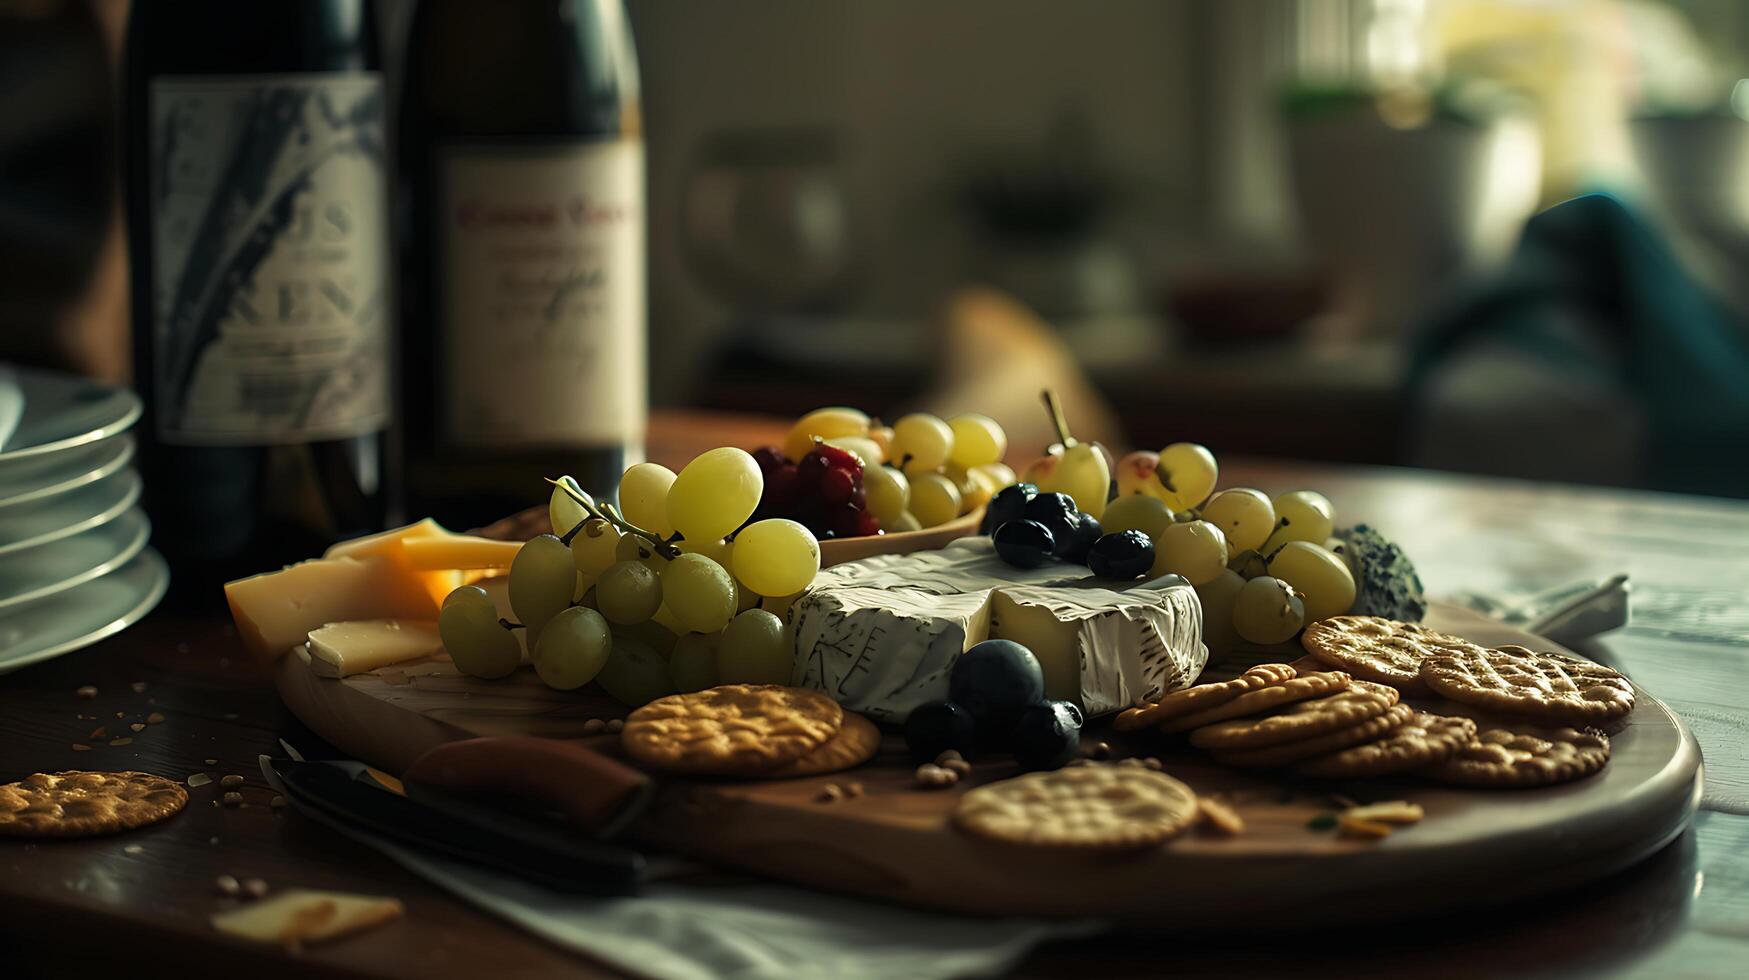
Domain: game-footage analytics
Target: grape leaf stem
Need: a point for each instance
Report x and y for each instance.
(611, 515)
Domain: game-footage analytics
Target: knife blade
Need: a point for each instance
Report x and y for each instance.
(347, 793)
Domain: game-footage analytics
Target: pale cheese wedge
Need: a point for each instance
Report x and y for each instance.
(391, 545)
(459, 551)
(276, 611)
(301, 916)
(344, 649)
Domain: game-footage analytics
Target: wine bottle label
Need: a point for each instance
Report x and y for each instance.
(270, 257)
(542, 298)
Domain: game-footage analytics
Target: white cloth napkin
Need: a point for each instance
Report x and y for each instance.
(745, 930)
(736, 928)
(11, 404)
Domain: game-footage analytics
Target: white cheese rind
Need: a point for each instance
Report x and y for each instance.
(881, 635)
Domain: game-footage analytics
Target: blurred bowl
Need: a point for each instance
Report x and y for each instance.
(840, 550)
(1222, 308)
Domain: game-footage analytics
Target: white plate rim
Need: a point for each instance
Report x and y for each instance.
(98, 519)
(107, 468)
(135, 408)
(133, 547)
(154, 593)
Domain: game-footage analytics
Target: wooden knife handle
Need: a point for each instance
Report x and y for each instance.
(588, 787)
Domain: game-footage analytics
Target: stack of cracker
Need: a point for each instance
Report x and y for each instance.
(763, 731)
(1336, 713)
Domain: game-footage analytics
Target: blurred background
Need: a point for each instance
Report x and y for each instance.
(1307, 228)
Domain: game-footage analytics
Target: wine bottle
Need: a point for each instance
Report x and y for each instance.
(523, 330)
(261, 254)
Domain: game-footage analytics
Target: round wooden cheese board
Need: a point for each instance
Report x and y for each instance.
(896, 842)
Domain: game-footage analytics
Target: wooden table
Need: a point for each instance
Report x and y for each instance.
(1686, 910)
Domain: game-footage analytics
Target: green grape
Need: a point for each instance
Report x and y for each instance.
(745, 598)
(718, 550)
(479, 645)
(650, 633)
(595, 547)
(1197, 551)
(715, 494)
(1187, 471)
(778, 605)
(934, 499)
(1218, 595)
(572, 649)
(636, 547)
(978, 440)
(999, 475)
(776, 557)
(542, 580)
(862, 447)
(643, 497)
(1083, 473)
(888, 493)
(634, 674)
(904, 522)
(564, 512)
(1249, 564)
(584, 584)
(628, 592)
(823, 423)
(755, 649)
(1323, 578)
(925, 439)
(1244, 515)
(1137, 512)
(693, 664)
(1267, 610)
(1303, 515)
(699, 592)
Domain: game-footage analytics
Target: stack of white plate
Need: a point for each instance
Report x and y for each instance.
(74, 565)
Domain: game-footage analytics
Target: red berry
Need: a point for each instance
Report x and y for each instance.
(846, 521)
(782, 487)
(769, 458)
(837, 485)
(809, 471)
(866, 524)
(839, 457)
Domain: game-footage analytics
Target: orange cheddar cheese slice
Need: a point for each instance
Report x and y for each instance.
(391, 545)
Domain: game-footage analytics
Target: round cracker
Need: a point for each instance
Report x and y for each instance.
(1201, 697)
(86, 804)
(1547, 687)
(1296, 722)
(1520, 757)
(1386, 651)
(731, 730)
(1423, 740)
(1299, 688)
(854, 744)
(1088, 807)
(1288, 753)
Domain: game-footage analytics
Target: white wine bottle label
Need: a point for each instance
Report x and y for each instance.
(270, 258)
(542, 298)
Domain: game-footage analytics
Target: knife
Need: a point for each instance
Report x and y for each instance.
(349, 793)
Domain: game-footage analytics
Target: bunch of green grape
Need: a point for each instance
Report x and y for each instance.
(660, 595)
(919, 472)
(1263, 567)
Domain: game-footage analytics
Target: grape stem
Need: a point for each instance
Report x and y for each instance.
(1058, 421)
(611, 515)
(507, 624)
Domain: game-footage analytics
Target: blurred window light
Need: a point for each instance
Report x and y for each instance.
(1397, 51)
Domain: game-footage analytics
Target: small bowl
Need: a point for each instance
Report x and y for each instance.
(839, 550)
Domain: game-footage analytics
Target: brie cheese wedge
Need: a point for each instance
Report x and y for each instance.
(881, 635)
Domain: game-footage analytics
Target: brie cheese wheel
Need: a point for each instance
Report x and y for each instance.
(880, 635)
